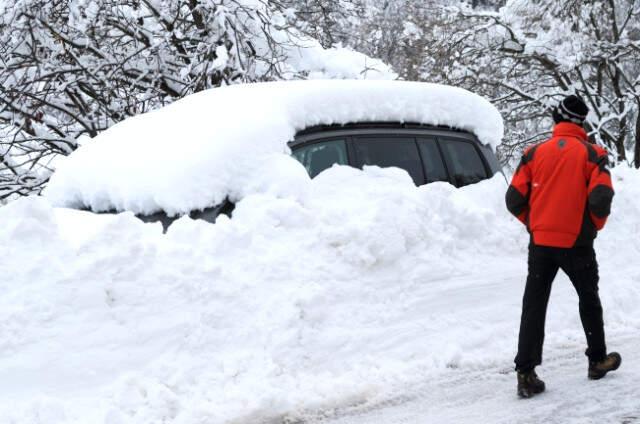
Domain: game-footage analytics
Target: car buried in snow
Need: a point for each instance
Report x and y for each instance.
(428, 154)
(435, 133)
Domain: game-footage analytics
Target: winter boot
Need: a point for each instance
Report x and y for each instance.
(611, 362)
(529, 384)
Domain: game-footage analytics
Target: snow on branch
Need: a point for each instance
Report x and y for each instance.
(531, 53)
(71, 69)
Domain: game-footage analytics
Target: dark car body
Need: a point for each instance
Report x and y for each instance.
(427, 153)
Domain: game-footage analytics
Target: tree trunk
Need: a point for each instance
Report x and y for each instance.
(636, 157)
(619, 142)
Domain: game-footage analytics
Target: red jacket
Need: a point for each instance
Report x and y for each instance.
(562, 189)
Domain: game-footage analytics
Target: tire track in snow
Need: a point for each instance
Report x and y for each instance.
(488, 395)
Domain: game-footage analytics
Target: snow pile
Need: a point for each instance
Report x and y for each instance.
(348, 288)
(215, 144)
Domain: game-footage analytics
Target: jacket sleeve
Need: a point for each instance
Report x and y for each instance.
(600, 189)
(519, 190)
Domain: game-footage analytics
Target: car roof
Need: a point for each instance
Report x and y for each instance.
(321, 131)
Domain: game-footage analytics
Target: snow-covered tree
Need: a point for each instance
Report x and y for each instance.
(397, 32)
(72, 68)
(331, 22)
(533, 52)
(487, 4)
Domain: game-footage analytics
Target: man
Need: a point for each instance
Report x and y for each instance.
(562, 192)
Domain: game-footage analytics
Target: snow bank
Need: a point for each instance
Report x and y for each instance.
(352, 286)
(199, 150)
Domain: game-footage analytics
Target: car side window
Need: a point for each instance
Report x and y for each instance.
(319, 156)
(463, 161)
(491, 158)
(432, 159)
(401, 152)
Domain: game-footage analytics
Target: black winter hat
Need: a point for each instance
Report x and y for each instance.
(571, 109)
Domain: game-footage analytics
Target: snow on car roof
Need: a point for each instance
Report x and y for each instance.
(210, 145)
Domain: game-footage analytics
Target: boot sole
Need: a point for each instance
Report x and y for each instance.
(527, 394)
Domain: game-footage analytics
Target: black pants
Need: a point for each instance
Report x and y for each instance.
(579, 263)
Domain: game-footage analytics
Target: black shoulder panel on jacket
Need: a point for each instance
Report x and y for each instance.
(592, 153)
(601, 161)
(528, 156)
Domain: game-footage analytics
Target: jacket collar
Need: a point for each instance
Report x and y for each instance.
(568, 129)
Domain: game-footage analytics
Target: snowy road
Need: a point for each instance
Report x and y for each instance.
(486, 394)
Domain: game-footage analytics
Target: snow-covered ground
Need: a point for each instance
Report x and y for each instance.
(354, 297)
